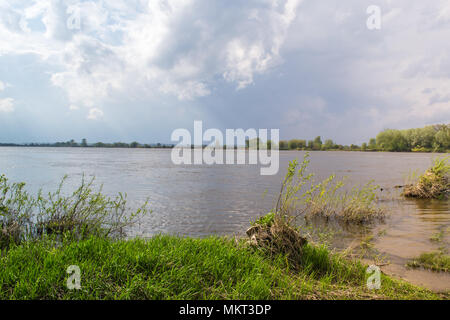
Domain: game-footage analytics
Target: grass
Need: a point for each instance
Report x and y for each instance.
(438, 236)
(300, 195)
(436, 261)
(166, 267)
(433, 184)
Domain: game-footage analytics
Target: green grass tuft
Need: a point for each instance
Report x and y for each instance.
(436, 261)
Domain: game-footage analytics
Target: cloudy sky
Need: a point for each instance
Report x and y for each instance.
(124, 70)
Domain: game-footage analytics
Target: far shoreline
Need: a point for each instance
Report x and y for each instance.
(11, 145)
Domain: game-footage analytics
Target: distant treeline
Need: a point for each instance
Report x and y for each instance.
(435, 138)
(84, 144)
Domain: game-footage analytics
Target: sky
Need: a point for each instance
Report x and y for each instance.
(136, 70)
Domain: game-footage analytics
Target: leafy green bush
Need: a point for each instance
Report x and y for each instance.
(81, 214)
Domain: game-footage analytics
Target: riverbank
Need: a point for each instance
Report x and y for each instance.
(168, 267)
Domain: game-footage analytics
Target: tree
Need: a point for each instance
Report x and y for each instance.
(283, 145)
(120, 145)
(84, 143)
(293, 145)
(317, 144)
(426, 136)
(392, 140)
(364, 146)
(373, 144)
(301, 144)
(72, 143)
(442, 138)
(99, 145)
(329, 144)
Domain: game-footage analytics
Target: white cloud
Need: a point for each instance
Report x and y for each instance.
(4, 85)
(7, 105)
(95, 114)
(247, 56)
(171, 47)
(186, 91)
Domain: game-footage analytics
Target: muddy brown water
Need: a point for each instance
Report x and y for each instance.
(222, 199)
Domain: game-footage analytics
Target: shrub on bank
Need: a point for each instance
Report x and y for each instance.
(300, 195)
(433, 184)
(81, 214)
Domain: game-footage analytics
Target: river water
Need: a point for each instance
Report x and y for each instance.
(200, 200)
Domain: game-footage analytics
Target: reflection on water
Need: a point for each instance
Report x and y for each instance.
(199, 200)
